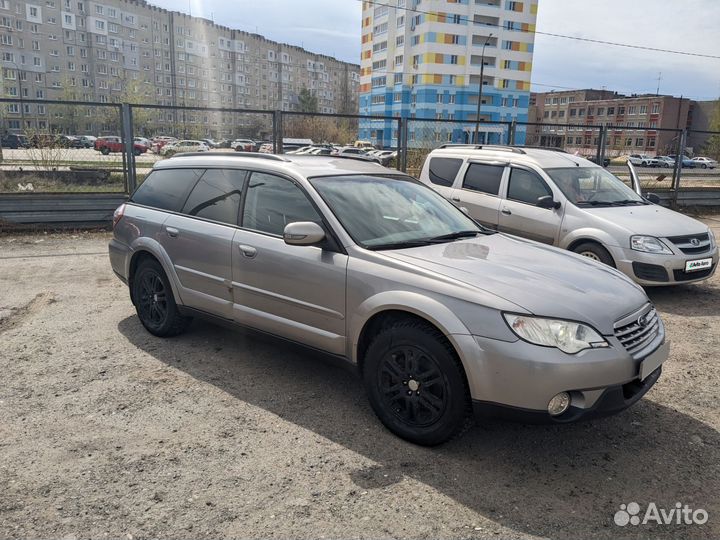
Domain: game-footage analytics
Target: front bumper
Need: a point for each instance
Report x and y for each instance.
(519, 379)
(650, 269)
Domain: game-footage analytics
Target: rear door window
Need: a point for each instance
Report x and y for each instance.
(442, 171)
(217, 196)
(167, 189)
(483, 178)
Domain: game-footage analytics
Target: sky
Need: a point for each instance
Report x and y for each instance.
(332, 27)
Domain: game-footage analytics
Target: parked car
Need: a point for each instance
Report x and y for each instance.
(147, 143)
(439, 314)
(643, 160)
(159, 142)
(211, 143)
(666, 161)
(686, 161)
(14, 141)
(106, 145)
(385, 156)
(266, 148)
(87, 141)
(567, 201)
(704, 162)
(243, 145)
(364, 144)
(184, 146)
(594, 159)
(353, 152)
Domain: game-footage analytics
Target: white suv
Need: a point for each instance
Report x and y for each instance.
(567, 201)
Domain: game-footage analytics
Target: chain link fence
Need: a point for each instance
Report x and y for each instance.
(61, 147)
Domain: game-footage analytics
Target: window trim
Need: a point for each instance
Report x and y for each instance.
(530, 170)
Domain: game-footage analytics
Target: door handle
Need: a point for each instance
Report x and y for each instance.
(506, 211)
(247, 251)
(456, 198)
(172, 232)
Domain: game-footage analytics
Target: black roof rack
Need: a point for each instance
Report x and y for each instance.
(504, 148)
(271, 157)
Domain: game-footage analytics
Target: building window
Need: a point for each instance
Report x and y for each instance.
(655, 108)
(643, 109)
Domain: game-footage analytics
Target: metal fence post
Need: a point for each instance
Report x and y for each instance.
(600, 154)
(403, 164)
(678, 167)
(511, 132)
(127, 136)
(400, 149)
(276, 118)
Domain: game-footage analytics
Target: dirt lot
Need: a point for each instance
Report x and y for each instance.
(106, 431)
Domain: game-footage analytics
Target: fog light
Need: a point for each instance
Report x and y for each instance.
(559, 404)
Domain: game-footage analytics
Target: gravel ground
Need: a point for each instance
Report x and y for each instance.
(107, 431)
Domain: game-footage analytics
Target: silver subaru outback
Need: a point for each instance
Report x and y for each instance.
(440, 315)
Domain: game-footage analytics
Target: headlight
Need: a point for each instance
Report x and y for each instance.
(713, 242)
(568, 336)
(649, 244)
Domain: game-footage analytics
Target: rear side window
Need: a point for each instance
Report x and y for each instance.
(483, 178)
(167, 188)
(444, 170)
(526, 186)
(217, 196)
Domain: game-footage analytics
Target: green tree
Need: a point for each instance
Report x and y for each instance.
(307, 101)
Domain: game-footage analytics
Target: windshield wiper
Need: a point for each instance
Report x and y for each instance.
(454, 236)
(399, 245)
(629, 201)
(595, 203)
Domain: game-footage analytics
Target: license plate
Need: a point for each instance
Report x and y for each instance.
(700, 264)
(654, 361)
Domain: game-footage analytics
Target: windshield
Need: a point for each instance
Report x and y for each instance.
(593, 186)
(392, 213)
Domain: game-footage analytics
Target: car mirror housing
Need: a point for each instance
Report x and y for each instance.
(548, 202)
(303, 233)
(653, 198)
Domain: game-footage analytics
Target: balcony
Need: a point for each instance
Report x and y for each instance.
(489, 61)
(481, 40)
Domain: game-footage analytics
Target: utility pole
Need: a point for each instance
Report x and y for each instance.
(482, 69)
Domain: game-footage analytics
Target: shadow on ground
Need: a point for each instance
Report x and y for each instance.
(534, 479)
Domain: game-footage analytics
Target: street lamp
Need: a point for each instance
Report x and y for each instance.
(482, 69)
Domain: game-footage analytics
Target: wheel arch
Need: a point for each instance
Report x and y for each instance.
(146, 251)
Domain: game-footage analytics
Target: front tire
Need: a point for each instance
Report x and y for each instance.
(155, 303)
(595, 252)
(416, 384)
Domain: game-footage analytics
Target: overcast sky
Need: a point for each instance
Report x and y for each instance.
(333, 27)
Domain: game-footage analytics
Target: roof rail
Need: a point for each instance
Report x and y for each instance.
(271, 157)
(502, 148)
(551, 149)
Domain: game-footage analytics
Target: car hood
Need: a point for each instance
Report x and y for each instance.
(651, 220)
(541, 279)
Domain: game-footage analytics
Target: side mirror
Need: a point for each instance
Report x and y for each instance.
(303, 233)
(653, 198)
(548, 202)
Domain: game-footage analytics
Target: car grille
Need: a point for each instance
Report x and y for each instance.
(682, 275)
(635, 335)
(684, 243)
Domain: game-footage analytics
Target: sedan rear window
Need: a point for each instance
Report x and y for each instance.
(166, 189)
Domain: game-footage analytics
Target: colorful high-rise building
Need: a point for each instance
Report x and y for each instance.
(422, 59)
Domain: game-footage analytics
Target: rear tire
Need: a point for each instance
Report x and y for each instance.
(596, 252)
(704, 166)
(155, 303)
(104, 150)
(416, 384)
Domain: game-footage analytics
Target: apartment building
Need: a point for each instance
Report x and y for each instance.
(422, 59)
(641, 121)
(130, 50)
